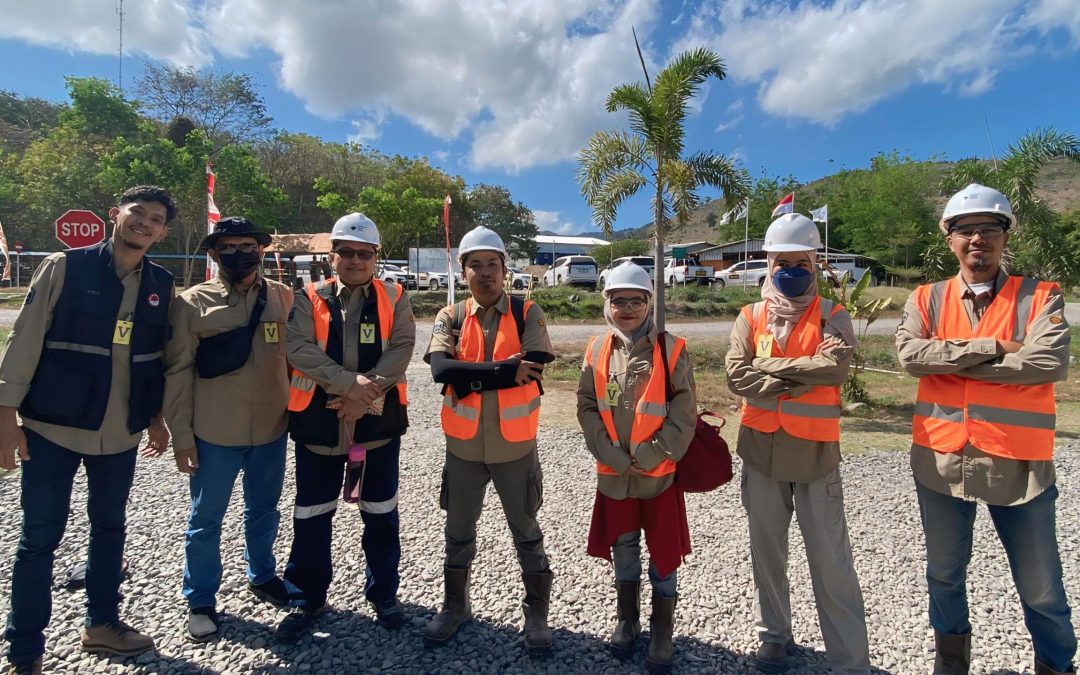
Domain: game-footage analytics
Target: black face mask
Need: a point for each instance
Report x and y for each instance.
(239, 265)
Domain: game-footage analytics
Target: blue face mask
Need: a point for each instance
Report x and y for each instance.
(792, 281)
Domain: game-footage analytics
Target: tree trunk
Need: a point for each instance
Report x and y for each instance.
(658, 263)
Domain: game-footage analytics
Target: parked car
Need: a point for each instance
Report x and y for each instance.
(395, 274)
(644, 261)
(433, 281)
(520, 280)
(572, 270)
(685, 271)
(750, 272)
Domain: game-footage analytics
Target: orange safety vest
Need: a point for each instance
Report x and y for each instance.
(651, 408)
(1015, 421)
(519, 407)
(816, 414)
(301, 387)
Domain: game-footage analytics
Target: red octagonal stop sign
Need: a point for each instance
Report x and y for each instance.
(78, 228)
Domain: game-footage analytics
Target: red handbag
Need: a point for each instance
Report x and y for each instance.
(707, 462)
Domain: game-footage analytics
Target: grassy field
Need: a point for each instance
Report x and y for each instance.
(883, 423)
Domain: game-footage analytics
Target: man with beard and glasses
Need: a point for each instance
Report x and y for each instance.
(83, 369)
(226, 399)
(987, 348)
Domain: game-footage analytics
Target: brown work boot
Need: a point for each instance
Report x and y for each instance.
(1042, 669)
(628, 617)
(25, 667)
(535, 607)
(952, 653)
(661, 627)
(115, 639)
(456, 609)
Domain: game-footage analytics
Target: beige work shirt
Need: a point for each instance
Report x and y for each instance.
(243, 408)
(488, 445)
(970, 473)
(779, 455)
(20, 361)
(337, 378)
(631, 370)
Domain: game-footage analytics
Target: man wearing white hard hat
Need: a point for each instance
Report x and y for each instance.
(638, 422)
(488, 353)
(987, 348)
(788, 356)
(350, 340)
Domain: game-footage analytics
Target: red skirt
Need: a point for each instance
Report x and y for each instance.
(667, 532)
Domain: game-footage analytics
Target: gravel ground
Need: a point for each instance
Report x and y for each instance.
(714, 620)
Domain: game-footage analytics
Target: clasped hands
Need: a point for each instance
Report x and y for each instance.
(356, 402)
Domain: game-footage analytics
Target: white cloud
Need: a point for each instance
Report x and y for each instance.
(159, 29)
(823, 60)
(366, 128)
(551, 221)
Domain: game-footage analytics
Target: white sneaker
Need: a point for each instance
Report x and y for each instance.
(202, 627)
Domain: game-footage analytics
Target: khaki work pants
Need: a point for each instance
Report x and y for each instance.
(820, 509)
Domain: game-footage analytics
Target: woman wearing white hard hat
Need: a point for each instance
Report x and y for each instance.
(788, 356)
(638, 424)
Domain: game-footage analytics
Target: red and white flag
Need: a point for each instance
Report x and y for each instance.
(786, 205)
(212, 216)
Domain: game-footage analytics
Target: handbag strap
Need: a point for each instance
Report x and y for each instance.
(661, 340)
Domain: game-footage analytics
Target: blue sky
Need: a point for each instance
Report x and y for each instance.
(506, 93)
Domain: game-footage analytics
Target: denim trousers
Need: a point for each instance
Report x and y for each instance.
(47, 480)
(211, 490)
(319, 481)
(1028, 533)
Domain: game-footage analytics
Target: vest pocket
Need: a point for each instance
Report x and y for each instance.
(64, 393)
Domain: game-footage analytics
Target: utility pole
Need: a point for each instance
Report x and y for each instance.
(120, 51)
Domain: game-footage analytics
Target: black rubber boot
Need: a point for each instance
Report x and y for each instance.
(952, 653)
(661, 628)
(628, 617)
(535, 607)
(456, 609)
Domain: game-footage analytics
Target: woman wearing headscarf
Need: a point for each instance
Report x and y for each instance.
(638, 424)
(788, 356)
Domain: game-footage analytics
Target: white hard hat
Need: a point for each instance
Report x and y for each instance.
(792, 232)
(355, 227)
(975, 199)
(628, 276)
(480, 238)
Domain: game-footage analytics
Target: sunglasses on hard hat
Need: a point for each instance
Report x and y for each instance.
(363, 255)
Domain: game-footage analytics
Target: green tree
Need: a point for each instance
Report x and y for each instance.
(1037, 246)
(494, 208)
(23, 120)
(616, 165)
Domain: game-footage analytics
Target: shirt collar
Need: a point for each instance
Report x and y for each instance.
(501, 305)
(968, 294)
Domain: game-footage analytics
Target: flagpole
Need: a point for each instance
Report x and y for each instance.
(450, 279)
(746, 243)
(826, 235)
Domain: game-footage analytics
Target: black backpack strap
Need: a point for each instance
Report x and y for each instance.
(260, 304)
(517, 309)
(458, 316)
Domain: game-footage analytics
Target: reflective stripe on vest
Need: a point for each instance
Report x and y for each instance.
(1005, 420)
(519, 407)
(816, 414)
(302, 388)
(650, 410)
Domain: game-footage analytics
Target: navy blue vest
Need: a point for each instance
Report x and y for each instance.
(316, 425)
(74, 375)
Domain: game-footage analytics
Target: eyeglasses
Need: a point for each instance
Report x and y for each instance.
(984, 231)
(228, 249)
(631, 305)
(350, 253)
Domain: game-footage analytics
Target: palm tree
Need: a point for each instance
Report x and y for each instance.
(615, 165)
(1037, 246)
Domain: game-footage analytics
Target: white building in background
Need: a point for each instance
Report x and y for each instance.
(549, 247)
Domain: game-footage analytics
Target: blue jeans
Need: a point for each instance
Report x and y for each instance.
(47, 480)
(211, 488)
(1028, 533)
(319, 480)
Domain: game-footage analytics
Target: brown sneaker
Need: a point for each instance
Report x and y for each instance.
(25, 667)
(115, 639)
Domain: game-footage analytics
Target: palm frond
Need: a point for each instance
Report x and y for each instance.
(720, 172)
(675, 85)
(636, 100)
(609, 153)
(616, 188)
(680, 184)
(966, 172)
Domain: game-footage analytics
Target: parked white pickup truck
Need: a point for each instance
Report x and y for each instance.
(686, 271)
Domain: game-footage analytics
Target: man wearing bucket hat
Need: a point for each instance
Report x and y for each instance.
(987, 348)
(788, 356)
(350, 341)
(226, 392)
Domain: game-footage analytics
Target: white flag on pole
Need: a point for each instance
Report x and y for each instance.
(726, 218)
(742, 210)
(820, 215)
